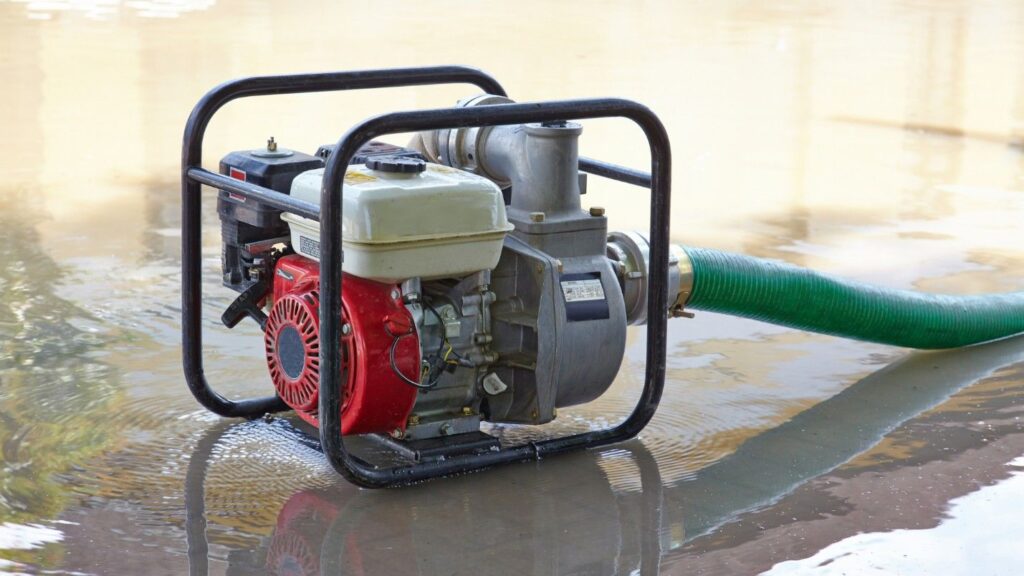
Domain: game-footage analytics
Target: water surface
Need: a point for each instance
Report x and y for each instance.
(881, 141)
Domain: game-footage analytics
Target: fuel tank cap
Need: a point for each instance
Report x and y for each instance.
(396, 164)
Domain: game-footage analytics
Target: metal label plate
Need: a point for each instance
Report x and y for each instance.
(582, 290)
(584, 297)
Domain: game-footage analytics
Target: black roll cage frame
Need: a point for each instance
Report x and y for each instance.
(193, 176)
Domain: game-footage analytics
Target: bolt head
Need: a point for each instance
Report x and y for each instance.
(346, 328)
(395, 294)
(596, 211)
(537, 216)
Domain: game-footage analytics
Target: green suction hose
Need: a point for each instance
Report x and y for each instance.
(790, 296)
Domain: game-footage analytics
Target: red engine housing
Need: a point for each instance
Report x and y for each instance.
(376, 318)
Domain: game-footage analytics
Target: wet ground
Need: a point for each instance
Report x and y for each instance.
(883, 141)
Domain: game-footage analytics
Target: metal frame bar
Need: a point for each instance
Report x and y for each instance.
(351, 467)
(615, 172)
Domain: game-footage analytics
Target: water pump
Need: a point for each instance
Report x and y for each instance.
(455, 307)
(408, 294)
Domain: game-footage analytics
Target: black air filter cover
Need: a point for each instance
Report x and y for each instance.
(274, 171)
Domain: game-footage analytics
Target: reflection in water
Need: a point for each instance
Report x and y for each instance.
(54, 382)
(936, 94)
(571, 515)
(821, 438)
(343, 530)
(905, 482)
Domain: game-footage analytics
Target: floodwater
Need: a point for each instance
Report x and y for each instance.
(883, 141)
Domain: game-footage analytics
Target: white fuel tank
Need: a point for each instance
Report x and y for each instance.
(404, 218)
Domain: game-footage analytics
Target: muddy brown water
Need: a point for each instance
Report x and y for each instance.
(883, 141)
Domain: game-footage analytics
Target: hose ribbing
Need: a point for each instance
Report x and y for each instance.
(799, 298)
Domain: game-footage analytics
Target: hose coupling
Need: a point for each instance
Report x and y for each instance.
(630, 253)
